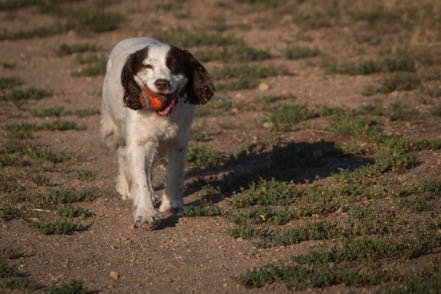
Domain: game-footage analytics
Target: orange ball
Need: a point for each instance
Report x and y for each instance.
(155, 100)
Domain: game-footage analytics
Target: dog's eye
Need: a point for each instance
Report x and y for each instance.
(147, 66)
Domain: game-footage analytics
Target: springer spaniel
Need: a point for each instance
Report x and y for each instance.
(149, 92)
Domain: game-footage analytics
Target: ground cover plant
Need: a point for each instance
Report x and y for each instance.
(314, 168)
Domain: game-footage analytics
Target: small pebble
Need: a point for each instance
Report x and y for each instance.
(114, 276)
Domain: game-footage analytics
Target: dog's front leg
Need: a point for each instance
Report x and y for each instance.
(141, 188)
(174, 178)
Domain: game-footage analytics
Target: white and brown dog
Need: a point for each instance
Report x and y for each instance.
(139, 69)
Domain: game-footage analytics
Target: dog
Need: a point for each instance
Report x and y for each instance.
(150, 90)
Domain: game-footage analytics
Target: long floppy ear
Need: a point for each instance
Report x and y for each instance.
(131, 89)
(200, 87)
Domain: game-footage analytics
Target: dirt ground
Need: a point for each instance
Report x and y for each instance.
(185, 254)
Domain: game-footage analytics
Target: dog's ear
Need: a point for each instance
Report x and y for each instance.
(131, 89)
(200, 87)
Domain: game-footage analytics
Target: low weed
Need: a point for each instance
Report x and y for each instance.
(66, 49)
(204, 155)
(71, 211)
(201, 210)
(284, 117)
(9, 83)
(194, 38)
(58, 227)
(362, 68)
(76, 287)
(402, 112)
(295, 53)
(20, 96)
(236, 53)
(93, 65)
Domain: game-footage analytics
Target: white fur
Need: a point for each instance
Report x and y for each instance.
(137, 135)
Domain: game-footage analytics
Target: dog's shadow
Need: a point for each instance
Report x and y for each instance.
(294, 162)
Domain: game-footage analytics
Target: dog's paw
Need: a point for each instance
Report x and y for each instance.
(174, 206)
(146, 221)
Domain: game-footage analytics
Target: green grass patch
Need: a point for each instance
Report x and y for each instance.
(59, 111)
(185, 39)
(436, 110)
(284, 117)
(236, 53)
(275, 98)
(233, 85)
(260, 215)
(17, 149)
(295, 53)
(8, 211)
(71, 211)
(201, 210)
(37, 32)
(24, 284)
(362, 68)
(60, 125)
(95, 21)
(93, 65)
(371, 249)
(204, 155)
(85, 174)
(7, 271)
(9, 83)
(66, 49)
(267, 192)
(243, 71)
(58, 227)
(74, 287)
(11, 253)
(67, 196)
(399, 63)
(19, 96)
(402, 112)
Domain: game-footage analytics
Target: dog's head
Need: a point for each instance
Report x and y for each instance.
(167, 71)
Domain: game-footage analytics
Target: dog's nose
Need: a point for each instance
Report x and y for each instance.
(162, 85)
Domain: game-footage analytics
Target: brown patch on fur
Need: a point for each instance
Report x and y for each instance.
(131, 88)
(200, 88)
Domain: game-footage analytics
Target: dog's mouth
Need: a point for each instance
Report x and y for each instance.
(169, 101)
(163, 104)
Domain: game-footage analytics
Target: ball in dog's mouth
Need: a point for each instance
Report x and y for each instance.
(162, 104)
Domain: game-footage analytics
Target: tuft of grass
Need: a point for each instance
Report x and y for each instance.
(261, 214)
(284, 117)
(74, 287)
(371, 219)
(70, 211)
(372, 249)
(274, 98)
(243, 71)
(236, 53)
(9, 83)
(232, 85)
(88, 21)
(295, 53)
(38, 32)
(66, 49)
(267, 192)
(436, 110)
(193, 38)
(52, 111)
(60, 125)
(93, 65)
(415, 204)
(205, 155)
(402, 112)
(201, 210)
(19, 131)
(363, 68)
(24, 284)
(84, 112)
(7, 271)
(11, 253)
(65, 196)
(58, 227)
(85, 174)
(8, 211)
(18, 96)
(400, 81)
(399, 63)
(198, 134)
